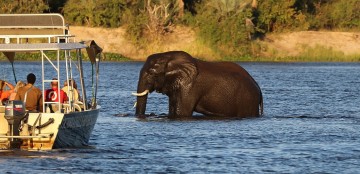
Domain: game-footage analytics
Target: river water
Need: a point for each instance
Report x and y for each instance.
(311, 125)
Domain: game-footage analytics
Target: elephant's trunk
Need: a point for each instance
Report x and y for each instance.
(141, 100)
(141, 105)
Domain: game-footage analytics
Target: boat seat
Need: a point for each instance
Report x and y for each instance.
(53, 108)
(66, 107)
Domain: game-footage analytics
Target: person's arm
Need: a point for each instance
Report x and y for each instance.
(0, 98)
(5, 94)
(9, 85)
(40, 103)
(12, 96)
(17, 96)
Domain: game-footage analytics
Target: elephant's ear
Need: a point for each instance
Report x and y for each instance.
(181, 70)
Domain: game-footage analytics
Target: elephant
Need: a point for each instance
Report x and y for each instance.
(222, 89)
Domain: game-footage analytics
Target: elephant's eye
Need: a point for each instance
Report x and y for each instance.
(152, 71)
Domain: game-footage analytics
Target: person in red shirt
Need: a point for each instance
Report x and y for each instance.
(51, 95)
(5, 93)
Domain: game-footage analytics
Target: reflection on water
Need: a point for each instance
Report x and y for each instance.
(311, 125)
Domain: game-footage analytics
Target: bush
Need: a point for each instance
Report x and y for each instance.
(104, 13)
(23, 6)
(279, 16)
(340, 14)
(225, 30)
(114, 57)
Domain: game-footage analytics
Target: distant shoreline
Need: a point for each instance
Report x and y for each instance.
(303, 46)
(264, 60)
(292, 46)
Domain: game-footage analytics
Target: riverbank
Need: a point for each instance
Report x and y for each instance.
(313, 46)
(293, 46)
(114, 41)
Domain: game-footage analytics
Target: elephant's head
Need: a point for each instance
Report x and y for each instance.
(165, 73)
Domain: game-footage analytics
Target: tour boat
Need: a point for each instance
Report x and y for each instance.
(72, 124)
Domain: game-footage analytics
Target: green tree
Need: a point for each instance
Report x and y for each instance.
(222, 25)
(56, 6)
(280, 15)
(330, 14)
(340, 14)
(95, 13)
(23, 6)
(149, 20)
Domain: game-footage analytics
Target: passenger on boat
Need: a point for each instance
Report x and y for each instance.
(31, 95)
(5, 90)
(70, 88)
(19, 85)
(51, 95)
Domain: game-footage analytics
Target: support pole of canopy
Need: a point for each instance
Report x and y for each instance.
(97, 77)
(94, 51)
(81, 73)
(10, 56)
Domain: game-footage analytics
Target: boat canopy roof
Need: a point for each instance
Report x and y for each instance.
(40, 47)
(91, 47)
(17, 29)
(32, 20)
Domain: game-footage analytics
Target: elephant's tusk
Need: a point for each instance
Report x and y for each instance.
(135, 104)
(141, 94)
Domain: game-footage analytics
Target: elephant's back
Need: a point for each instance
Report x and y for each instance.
(226, 68)
(225, 72)
(229, 84)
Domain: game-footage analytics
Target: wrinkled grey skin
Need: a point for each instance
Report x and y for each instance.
(212, 88)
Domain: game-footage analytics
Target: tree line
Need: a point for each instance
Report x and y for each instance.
(227, 26)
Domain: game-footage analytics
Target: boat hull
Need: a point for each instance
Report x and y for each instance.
(50, 130)
(75, 129)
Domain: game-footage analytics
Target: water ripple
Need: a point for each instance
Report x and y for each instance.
(311, 125)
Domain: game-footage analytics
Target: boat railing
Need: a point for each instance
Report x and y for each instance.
(44, 33)
(57, 106)
(23, 28)
(48, 35)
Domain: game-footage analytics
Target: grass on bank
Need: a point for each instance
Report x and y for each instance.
(318, 54)
(52, 55)
(308, 54)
